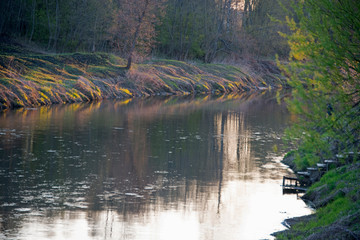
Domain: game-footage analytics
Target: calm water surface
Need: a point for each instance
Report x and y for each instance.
(156, 168)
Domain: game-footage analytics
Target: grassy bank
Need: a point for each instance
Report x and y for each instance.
(336, 196)
(30, 79)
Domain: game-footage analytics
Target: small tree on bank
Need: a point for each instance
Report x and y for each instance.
(133, 31)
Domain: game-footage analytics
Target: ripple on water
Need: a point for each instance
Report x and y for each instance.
(23, 210)
(134, 195)
(76, 205)
(8, 205)
(149, 187)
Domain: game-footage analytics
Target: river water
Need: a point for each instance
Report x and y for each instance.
(154, 168)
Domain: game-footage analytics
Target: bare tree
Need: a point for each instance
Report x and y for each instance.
(134, 27)
(140, 18)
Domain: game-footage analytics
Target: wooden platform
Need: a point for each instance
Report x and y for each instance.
(292, 185)
(307, 174)
(320, 167)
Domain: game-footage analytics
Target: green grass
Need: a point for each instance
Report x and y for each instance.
(326, 216)
(342, 187)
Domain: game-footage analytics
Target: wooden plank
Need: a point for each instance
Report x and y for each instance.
(296, 188)
(312, 169)
(304, 173)
(330, 161)
(321, 165)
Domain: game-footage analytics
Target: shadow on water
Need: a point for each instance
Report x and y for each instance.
(121, 168)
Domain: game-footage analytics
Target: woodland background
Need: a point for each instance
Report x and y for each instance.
(206, 30)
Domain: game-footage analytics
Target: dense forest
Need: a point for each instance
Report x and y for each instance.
(180, 29)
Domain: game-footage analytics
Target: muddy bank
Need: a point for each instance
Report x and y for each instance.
(30, 79)
(336, 198)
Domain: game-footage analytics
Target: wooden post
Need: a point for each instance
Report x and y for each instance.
(283, 181)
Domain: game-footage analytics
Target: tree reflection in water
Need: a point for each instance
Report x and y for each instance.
(153, 168)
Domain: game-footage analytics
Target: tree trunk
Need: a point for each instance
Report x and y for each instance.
(18, 20)
(6, 15)
(49, 24)
(33, 20)
(136, 34)
(93, 49)
(57, 27)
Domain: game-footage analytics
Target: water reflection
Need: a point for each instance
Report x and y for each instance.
(233, 142)
(159, 168)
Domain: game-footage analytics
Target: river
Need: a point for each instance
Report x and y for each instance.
(202, 168)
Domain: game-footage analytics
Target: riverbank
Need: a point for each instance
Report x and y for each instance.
(336, 198)
(30, 79)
